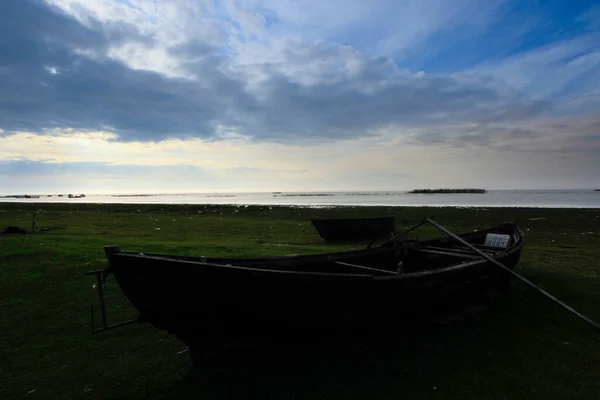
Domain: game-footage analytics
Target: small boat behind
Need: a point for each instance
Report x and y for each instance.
(354, 228)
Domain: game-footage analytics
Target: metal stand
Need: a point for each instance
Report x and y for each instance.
(101, 275)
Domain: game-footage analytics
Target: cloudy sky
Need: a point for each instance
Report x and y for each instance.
(104, 96)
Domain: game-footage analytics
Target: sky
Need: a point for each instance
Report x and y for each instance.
(163, 96)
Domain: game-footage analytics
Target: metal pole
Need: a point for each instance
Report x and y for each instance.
(375, 238)
(499, 264)
(101, 294)
(402, 234)
(364, 267)
(92, 312)
(100, 274)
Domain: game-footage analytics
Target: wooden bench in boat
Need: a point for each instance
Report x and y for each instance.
(461, 249)
(447, 252)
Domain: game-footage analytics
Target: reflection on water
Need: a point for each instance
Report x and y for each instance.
(493, 198)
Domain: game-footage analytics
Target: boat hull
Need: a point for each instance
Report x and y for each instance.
(353, 228)
(199, 301)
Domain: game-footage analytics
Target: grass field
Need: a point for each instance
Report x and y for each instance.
(522, 347)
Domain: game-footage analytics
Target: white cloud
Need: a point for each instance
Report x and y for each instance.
(250, 21)
(267, 86)
(299, 92)
(386, 27)
(552, 69)
(166, 23)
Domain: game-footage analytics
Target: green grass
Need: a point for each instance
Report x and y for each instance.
(524, 346)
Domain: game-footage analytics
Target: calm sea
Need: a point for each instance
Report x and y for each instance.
(493, 198)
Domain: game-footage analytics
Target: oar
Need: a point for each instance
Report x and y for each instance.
(376, 237)
(510, 271)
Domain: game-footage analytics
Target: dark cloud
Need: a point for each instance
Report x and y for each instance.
(478, 134)
(334, 110)
(54, 73)
(572, 137)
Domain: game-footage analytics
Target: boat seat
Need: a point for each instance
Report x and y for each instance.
(448, 253)
(464, 249)
(496, 240)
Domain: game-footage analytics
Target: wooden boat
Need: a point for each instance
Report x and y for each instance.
(353, 228)
(197, 298)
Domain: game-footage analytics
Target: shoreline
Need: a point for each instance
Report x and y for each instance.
(308, 206)
(575, 199)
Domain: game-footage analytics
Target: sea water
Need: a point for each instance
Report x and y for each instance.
(493, 198)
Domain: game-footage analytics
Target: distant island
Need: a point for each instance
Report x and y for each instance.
(37, 196)
(596, 190)
(446, 191)
(21, 196)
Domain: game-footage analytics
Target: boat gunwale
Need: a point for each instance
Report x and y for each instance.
(238, 267)
(453, 267)
(295, 257)
(344, 219)
(340, 254)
